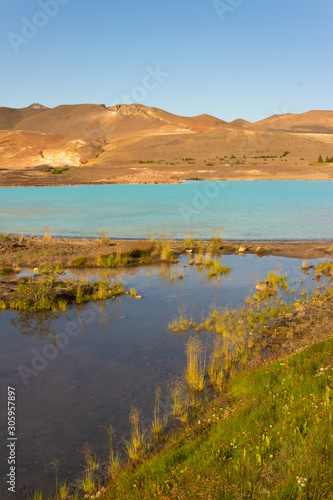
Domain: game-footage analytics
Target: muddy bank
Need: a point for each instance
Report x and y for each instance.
(17, 252)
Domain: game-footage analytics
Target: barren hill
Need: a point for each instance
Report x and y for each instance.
(12, 117)
(98, 121)
(319, 122)
(95, 143)
(240, 122)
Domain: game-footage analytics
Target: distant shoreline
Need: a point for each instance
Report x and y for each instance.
(181, 181)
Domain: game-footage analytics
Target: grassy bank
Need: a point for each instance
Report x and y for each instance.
(254, 420)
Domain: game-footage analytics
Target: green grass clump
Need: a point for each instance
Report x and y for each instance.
(6, 271)
(59, 171)
(48, 293)
(325, 268)
(183, 322)
(166, 252)
(34, 295)
(216, 239)
(79, 262)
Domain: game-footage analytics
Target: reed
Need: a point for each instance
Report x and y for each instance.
(37, 495)
(183, 322)
(215, 368)
(180, 401)
(104, 239)
(62, 305)
(114, 460)
(216, 239)
(87, 484)
(166, 252)
(47, 234)
(64, 492)
(157, 424)
(135, 446)
(196, 364)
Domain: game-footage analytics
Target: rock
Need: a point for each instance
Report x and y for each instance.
(189, 251)
(242, 249)
(138, 296)
(35, 270)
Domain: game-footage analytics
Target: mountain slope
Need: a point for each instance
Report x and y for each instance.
(318, 122)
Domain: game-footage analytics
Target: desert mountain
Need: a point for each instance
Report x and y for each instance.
(240, 122)
(95, 143)
(318, 122)
(98, 121)
(10, 118)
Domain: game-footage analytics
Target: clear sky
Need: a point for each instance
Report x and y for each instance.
(232, 58)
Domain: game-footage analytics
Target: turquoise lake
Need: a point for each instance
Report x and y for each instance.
(250, 210)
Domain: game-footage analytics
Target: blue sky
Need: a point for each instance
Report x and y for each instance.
(247, 58)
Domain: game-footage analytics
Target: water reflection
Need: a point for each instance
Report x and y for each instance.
(116, 353)
(41, 324)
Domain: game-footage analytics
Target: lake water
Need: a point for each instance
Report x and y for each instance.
(249, 210)
(118, 352)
